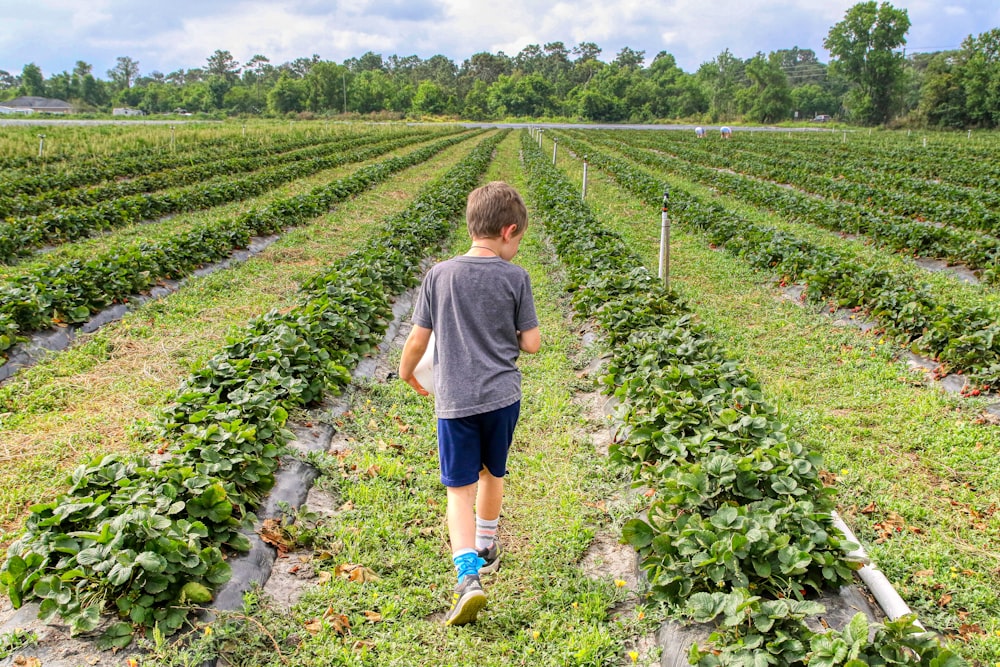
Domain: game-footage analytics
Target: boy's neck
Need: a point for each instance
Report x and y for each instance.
(484, 248)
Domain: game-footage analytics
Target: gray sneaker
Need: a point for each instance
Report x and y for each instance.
(491, 556)
(467, 600)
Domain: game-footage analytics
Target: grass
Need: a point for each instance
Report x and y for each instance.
(905, 454)
(124, 238)
(94, 397)
(543, 608)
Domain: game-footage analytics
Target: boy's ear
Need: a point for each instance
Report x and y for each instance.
(508, 232)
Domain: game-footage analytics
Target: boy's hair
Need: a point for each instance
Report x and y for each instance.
(492, 207)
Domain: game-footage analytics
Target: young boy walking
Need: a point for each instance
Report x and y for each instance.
(480, 308)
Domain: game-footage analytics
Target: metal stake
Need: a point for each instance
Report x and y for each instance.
(584, 194)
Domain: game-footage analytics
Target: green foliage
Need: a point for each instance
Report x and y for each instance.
(148, 541)
(737, 507)
(756, 631)
(863, 46)
(72, 292)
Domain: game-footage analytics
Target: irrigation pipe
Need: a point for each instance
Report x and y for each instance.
(886, 596)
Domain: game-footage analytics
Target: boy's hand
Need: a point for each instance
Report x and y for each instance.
(417, 386)
(413, 350)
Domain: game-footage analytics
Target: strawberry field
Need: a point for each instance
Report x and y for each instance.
(745, 405)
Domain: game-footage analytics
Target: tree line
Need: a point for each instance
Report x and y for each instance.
(869, 80)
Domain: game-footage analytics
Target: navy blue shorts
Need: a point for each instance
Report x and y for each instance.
(468, 444)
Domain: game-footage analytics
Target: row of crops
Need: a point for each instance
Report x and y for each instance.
(740, 531)
(56, 289)
(146, 541)
(961, 335)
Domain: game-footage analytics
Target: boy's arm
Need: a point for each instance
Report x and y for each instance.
(413, 350)
(530, 341)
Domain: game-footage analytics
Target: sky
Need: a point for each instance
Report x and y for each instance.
(182, 34)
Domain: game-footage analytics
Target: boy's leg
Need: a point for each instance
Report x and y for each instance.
(489, 498)
(468, 598)
(461, 517)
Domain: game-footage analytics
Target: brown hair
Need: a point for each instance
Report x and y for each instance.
(492, 207)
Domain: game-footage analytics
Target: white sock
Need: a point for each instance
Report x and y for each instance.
(486, 531)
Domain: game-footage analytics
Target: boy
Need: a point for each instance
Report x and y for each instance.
(482, 313)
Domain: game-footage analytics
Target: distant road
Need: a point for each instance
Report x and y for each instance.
(616, 126)
(4, 120)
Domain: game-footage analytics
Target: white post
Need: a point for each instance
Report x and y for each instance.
(172, 146)
(540, 138)
(969, 135)
(665, 242)
(584, 194)
(244, 131)
(555, 147)
(869, 131)
(844, 140)
(41, 144)
(925, 142)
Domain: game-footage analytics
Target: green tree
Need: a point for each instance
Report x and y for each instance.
(477, 105)
(430, 99)
(288, 95)
(372, 91)
(768, 97)
(223, 65)
(978, 70)
(32, 80)
(8, 80)
(722, 79)
(124, 72)
(863, 46)
(629, 58)
(942, 97)
(255, 73)
(325, 87)
(801, 66)
(812, 99)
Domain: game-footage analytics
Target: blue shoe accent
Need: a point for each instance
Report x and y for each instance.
(467, 563)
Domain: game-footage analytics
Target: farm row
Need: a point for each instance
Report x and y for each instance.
(738, 527)
(68, 291)
(145, 539)
(960, 335)
(913, 464)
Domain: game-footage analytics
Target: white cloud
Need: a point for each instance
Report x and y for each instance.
(184, 33)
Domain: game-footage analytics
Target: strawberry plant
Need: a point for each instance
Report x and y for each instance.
(148, 542)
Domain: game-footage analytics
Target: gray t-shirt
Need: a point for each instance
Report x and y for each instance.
(475, 306)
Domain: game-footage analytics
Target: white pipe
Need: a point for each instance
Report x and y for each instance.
(888, 599)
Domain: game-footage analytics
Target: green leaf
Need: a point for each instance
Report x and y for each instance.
(118, 636)
(637, 533)
(729, 416)
(151, 561)
(85, 620)
(195, 592)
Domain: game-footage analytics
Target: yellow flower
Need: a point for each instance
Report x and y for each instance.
(641, 615)
(620, 583)
(843, 471)
(576, 605)
(634, 656)
(208, 630)
(536, 634)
